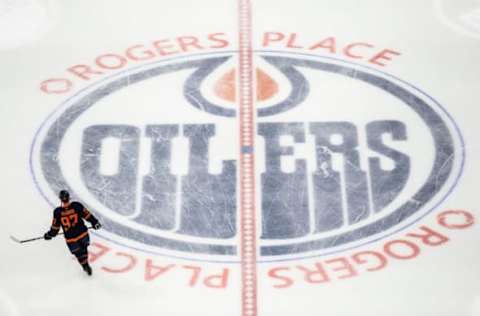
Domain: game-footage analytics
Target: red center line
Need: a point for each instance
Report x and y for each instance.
(248, 243)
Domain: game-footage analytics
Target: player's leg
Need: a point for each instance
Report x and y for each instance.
(83, 258)
(79, 250)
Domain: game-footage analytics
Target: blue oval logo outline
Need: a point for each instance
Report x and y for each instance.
(268, 250)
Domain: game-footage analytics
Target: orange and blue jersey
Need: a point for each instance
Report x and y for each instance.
(70, 219)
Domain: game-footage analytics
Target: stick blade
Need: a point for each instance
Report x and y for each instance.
(15, 239)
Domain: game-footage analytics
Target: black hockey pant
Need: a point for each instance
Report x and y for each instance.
(79, 248)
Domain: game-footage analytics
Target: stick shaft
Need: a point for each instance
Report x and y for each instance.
(35, 238)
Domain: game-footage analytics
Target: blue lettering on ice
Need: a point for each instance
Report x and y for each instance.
(208, 201)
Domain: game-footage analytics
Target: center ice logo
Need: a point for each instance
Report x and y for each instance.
(346, 154)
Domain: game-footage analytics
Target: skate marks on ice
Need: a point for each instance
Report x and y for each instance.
(461, 16)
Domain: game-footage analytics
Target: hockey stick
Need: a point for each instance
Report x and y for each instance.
(32, 239)
(25, 240)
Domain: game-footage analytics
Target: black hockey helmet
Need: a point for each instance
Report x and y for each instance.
(64, 196)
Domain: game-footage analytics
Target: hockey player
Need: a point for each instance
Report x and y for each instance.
(70, 216)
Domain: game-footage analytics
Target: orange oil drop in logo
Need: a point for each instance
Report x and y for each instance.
(225, 86)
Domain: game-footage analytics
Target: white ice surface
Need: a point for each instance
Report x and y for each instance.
(41, 39)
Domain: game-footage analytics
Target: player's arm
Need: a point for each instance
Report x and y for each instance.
(90, 218)
(55, 228)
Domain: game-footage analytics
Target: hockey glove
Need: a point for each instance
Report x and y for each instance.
(97, 226)
(47, 236)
